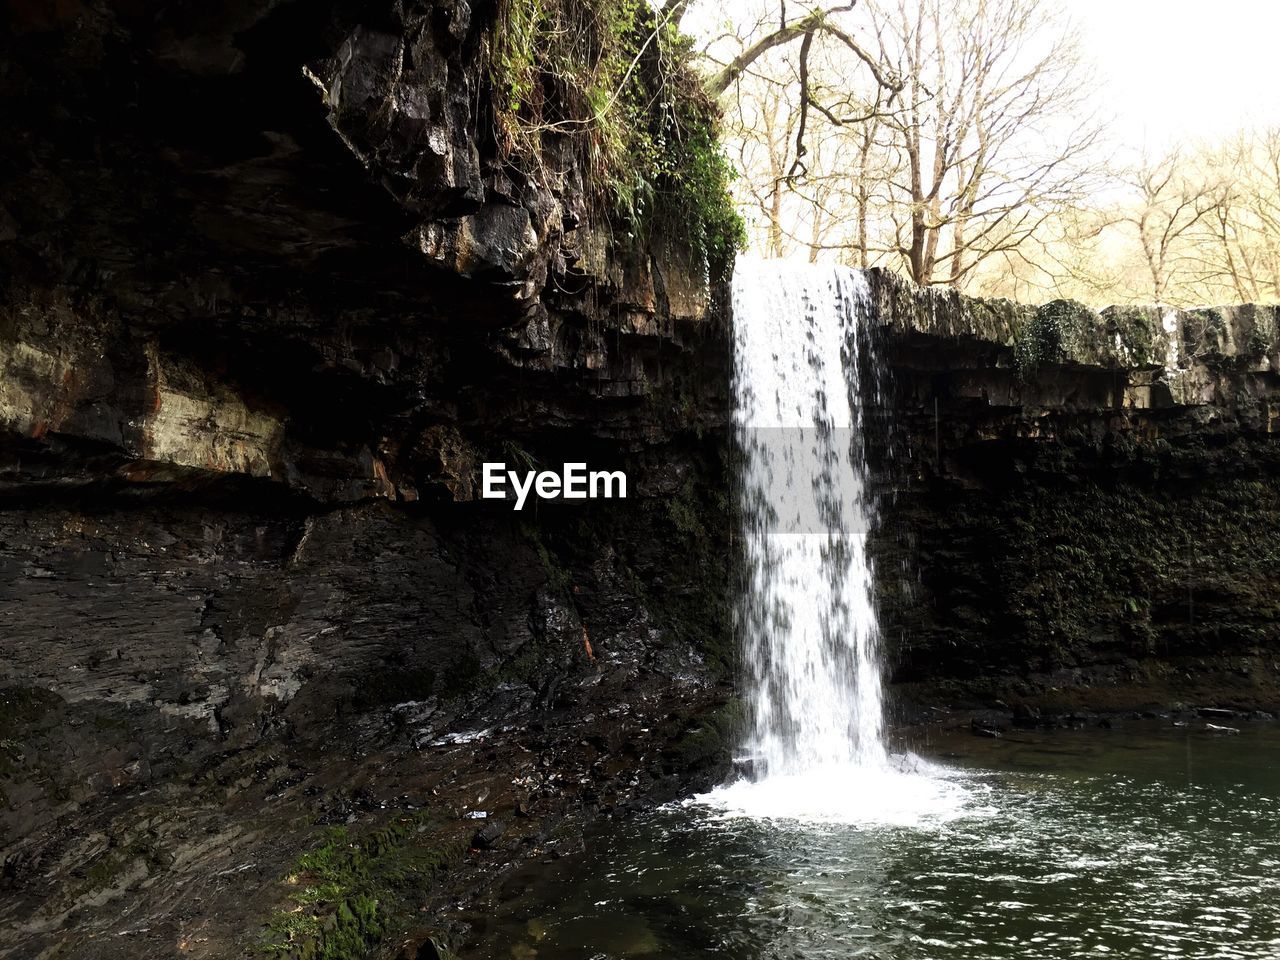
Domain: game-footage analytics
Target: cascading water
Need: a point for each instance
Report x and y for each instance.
(807, 619)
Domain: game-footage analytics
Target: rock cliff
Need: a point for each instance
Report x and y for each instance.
(1078, 507)
(272, 286)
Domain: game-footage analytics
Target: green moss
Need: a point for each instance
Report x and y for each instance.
(348, 933)
(1091, 556)
(606, 77)
(1064, 564)
(685, 512)
(20, 706)
(693, 191)
(288, 928)
(1136, 329)
(1262, 331)
(558, 577)
(711, 742)
(1057, 331)
(349, 891)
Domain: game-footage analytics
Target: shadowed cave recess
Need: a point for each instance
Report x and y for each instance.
(276, 280)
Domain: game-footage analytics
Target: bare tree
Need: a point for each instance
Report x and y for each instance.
(953, 139)
(993, 130)
(805, 34)
(1237, 249)
(952, 129)
(1170, 205)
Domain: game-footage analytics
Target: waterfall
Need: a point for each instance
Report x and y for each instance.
(802, 375)
(807, 619)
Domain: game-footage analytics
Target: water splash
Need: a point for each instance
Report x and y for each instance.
(807, 618)
(895, 793)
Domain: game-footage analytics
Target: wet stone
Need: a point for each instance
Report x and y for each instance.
(488, 835)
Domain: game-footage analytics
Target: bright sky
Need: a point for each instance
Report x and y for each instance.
(1183, 69)
(1168, 69)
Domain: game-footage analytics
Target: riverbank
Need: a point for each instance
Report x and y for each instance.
(370, 839)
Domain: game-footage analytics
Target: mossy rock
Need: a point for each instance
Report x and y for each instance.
(710, 744)
(352, 891)
(1206, 335)
(645, 129)
(1139, 332)
(1263, 335)
(1060, 331)
(21, 706)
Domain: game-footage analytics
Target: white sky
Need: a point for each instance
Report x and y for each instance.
(1183, 69)
(1168, 69)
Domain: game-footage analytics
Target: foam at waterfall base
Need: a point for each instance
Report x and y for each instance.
(901, 791)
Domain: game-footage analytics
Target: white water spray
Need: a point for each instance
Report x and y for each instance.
(807, 619)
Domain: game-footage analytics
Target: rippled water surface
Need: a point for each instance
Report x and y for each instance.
(1122, 843)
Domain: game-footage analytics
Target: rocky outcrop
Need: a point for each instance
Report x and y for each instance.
(272, 290)
(1078, 507)
(275, 242)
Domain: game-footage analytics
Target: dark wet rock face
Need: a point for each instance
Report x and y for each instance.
(280, 242)
(270, 293)
(1077, 507)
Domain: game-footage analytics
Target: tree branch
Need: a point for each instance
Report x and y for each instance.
(798, 166)
(818, 21)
